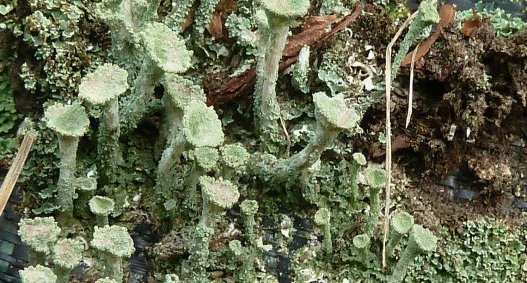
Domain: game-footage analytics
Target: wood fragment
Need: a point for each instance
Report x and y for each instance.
(447, 14)
(313, 35)
(14, 171)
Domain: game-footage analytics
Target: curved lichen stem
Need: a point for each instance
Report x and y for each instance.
(375, 211)
(191, 183)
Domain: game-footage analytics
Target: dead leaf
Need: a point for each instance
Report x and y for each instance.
(215, 27)
(447, 14)
(471, 25)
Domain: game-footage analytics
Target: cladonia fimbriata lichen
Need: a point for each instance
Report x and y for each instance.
(70, 122)
(114, 244)
(102, 88)
(279, 15)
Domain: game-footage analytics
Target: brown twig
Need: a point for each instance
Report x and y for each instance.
(14, 171)
(313, 35)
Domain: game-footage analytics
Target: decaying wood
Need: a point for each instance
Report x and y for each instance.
(314, 35)
(14, 171)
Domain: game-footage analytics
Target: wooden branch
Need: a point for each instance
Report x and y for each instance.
(14, 171)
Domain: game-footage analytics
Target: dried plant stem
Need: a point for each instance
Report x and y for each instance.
(388, 80)
(15, 170)
(411, 90)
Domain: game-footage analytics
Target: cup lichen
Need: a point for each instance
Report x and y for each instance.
(115, 244)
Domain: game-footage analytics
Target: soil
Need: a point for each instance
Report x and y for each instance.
(469, 120)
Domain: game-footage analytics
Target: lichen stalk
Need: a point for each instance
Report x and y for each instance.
(135, 106)
(266, 104)
(375, 211)
(108, 147)
(68, 167)
(176, 19)
(203, 17)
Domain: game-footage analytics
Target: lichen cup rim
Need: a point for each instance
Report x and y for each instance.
(106, 83)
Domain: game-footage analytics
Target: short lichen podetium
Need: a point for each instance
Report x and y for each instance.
(280, 15)
(362, 243)
(323, 219)
(67, 254)
(332, 117)
(358, 161)
(39, 233)
(201, 127)
(37, 274)
(376, 180)
(421, 241)
(114, 243)
(165, 53)
(175, 20)
(218, 195)
(401, 224)
(233, 158)
(204, 160)
(102, 207)
(69, 123)
(102, 88)
(249, 209)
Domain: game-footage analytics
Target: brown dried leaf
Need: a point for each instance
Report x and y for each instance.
(215, 27)
(471, 25)
(447, 13)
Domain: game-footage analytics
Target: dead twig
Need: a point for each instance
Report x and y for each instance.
(14, 171)
(411, 90)
(387, 78)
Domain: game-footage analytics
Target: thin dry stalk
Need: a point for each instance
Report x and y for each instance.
(387, 78)
(14, 171)
(411, 90)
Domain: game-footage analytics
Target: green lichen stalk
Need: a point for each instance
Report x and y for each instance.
(198, 262)
(205, 159)
(362, 244)
(102, 88)
(421, 241)
(323, 219)
(376, 179)
(280, 14)
(203, 17)
(178, 15)
(69, 122)
(38, 274)
(359, 160)
(249, 209)
(333, 117)
(67, 254)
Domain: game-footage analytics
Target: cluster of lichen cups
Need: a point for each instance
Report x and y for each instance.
(192, 129)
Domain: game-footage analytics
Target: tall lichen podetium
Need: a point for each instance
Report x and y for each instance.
(179, 92)
(70, 122)
(273, 31)
(102, 88)
(332, 117)
(165, 53)
(427, 15)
